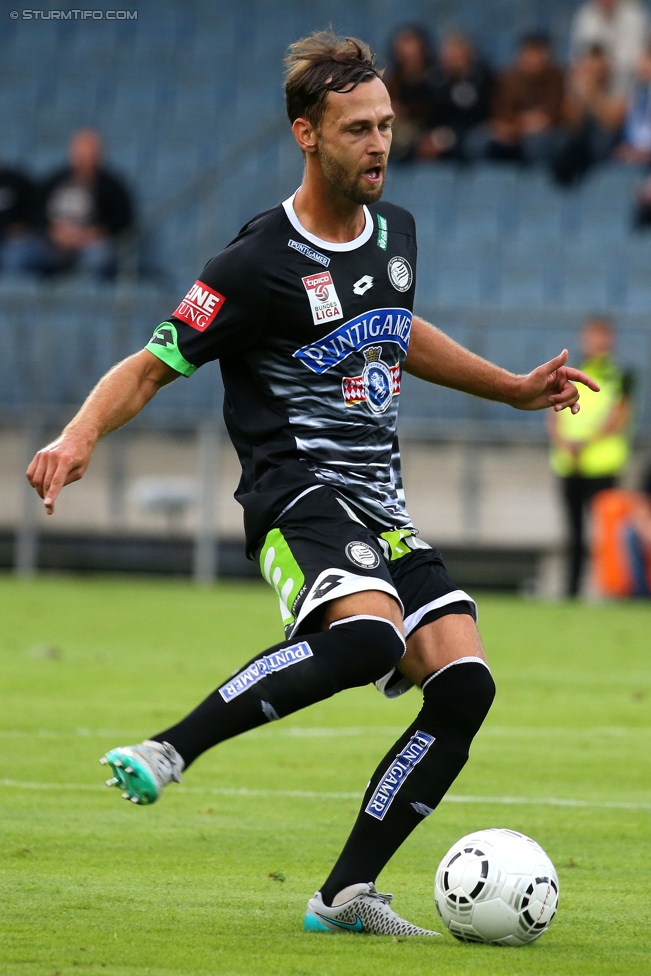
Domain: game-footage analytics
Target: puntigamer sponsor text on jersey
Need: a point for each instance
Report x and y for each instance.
(311, 337)
(380, 324)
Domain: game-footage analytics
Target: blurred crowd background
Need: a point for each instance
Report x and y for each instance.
(135, 143)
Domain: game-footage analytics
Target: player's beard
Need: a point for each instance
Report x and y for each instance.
(347, 182)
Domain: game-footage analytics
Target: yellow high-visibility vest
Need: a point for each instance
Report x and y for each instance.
(600, 457)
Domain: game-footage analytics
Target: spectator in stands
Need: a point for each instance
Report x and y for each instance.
(593, 115)
(635, 147)
(410, 85)
(620, 27)
(527, 109)
(642, 210)
(591, 449)
(463, 88)
(84, 207)
(18, 240)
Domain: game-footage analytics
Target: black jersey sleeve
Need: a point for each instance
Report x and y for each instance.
(223, 313)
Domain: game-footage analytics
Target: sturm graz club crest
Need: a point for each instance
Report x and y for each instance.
(361, 554)
(400, 274)
(377, 385)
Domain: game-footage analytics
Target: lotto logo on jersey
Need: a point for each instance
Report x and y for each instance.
(200, 306)
(323, 297)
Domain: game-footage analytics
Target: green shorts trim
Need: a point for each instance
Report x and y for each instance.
(280, 569)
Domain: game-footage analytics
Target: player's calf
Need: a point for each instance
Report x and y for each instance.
(354, 651)
(288, 677)
(417, 772)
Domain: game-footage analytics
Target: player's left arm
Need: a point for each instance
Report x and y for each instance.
(435, 357)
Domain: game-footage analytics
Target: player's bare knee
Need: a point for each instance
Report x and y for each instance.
(439, 643)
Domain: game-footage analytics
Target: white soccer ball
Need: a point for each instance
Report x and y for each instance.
(496, 886)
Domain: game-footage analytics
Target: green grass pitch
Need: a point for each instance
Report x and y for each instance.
(214, 878)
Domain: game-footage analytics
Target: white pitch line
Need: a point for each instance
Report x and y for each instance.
(326, 732)
(293, 732)
(318, 795)
(548, 801)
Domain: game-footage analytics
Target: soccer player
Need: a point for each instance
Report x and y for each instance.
(309, 311)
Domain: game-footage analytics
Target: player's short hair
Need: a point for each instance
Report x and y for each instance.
(323, 63)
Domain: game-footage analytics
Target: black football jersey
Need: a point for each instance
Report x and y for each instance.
(311, 337)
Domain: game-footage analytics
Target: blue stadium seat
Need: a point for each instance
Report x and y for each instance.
(458, 287)
(587, 289)
(447, 268)
(608, 182)
(540, 222)
(606, 223)
(18, 287)
(520, 288)
(523, 255)
(520, 261)
(638, 293)
(636, 252)
(174, 91)
(477, 223)
(490, 181)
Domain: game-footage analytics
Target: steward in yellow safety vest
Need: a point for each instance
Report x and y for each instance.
(595, 442)
(590, 449)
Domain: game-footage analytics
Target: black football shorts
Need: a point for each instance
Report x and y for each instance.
(321, 548)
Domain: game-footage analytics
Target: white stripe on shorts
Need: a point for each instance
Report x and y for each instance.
(412, 621)
(297, 499)
(347, 584)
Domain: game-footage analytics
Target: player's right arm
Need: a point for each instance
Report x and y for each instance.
(119, 396)
(222, 315)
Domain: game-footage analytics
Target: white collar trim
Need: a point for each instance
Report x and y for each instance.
(288, 204)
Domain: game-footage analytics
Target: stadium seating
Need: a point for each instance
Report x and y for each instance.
(178, 90)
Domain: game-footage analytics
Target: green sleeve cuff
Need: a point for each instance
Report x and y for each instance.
(165, 345)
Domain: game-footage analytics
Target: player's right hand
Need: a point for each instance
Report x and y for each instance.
(59, 464)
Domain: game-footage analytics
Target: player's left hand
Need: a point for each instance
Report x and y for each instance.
(551, 385)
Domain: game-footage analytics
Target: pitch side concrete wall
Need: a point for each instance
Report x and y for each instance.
(456, 494)
(460, 496)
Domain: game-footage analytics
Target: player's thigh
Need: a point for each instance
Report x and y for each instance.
(371, 603)
(325, 564)
(440, 618)
(441, 642)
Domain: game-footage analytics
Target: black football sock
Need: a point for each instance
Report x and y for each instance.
(417, 772)
(287, 677)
